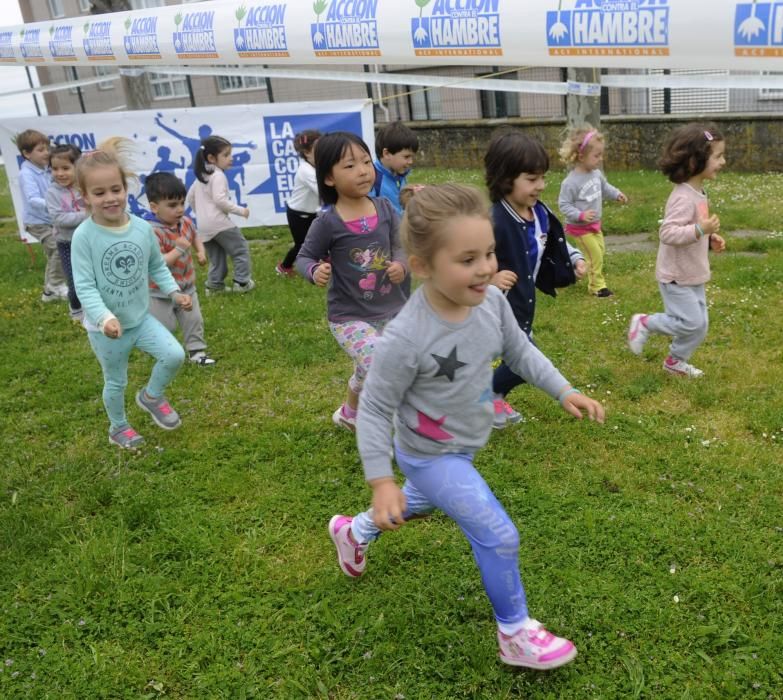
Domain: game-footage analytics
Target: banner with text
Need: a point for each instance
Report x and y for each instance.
(264, 159)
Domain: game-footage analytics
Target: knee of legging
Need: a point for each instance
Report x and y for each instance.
(174, 356)
(508, 537)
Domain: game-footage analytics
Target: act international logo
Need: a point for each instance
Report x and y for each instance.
(7, 47)
(97, 41)
(141, 38)
(260, 31)
(457, 28)
(758, 29)
(30, 45)
(609, 28)
(196, 37)
(349, 28)
(61, 42)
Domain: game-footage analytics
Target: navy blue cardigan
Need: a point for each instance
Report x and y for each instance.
(511, 249)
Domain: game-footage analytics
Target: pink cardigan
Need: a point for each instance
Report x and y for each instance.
(682, 255)
(212, 206)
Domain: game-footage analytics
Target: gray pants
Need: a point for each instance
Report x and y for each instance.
(53, 275)
(229, 243)
(191, 322)
(685, 318)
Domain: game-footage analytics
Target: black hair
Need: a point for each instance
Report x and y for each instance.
(65, 150)
(210, 146)
(394, 138)
(687, 150)
(162, 186)
(329, 150)
(510, 154)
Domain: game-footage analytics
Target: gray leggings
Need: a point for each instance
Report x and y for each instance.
(227, 244)
(685, 318)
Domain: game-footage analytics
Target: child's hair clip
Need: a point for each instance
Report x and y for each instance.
(708, 136)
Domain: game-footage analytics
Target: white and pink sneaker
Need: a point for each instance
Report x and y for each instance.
(342, 420)
(350, 555)
(535, 647)
(638, 333)
(681, 368)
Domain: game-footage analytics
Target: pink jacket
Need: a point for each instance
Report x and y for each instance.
(212, 206)
(682, 254)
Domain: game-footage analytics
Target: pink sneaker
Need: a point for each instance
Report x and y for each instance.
(504, 413)
(638, 333)
(340, 419)
(681, 368)
(535, 647)
(349, 554)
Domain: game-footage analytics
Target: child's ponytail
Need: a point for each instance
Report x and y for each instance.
(210, 146)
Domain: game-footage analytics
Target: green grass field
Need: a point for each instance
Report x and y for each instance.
(202, 568)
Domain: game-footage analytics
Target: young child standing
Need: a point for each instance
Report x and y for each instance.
(395, 146)
(580, 200)
(301, 208)
(34, 180)
(177, 238)
(692, 154)
(208, 197)
(113, 256)
(366, 269)
(430, 385)
(67, 210)
(531, 245)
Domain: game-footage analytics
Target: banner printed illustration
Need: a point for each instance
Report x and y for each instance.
(61, 43)
(609, 28)
(260, 31)
(141, 38)
(283, 158)
(758, 29)
(349, 28)
(30, 45)
(97, 41)
(7, 48)
(457, 28)
(196, 37)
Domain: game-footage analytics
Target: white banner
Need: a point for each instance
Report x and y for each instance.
(613, 33)
(261, 135)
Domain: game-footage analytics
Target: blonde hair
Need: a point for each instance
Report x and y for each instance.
(116, 151)
(427, 215)
(578, 142)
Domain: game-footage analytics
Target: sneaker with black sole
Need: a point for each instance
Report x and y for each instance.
(159, 409)
(604, 292)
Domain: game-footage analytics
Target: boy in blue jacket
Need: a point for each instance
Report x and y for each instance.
(395, 146)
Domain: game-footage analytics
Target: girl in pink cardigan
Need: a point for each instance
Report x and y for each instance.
(692, 154)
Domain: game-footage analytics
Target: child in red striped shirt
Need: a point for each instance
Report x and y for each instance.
(177, 236)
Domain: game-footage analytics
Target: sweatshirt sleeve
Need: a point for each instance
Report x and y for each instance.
(393, 371)
(315, 247)
(84, 278)
(397, 251)
(308, 178)
(218, 185)
(36, 201)
(58, 214)
(566, 201)
(158, 270)
(608, 191)
(678, 227)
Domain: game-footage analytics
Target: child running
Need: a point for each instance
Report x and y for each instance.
(430, 385)
(531, 245)
(208, 197)
(692, 154)
(114, 255)
(581, 201)
(301, 207)
(366, 269)
(177, 238)
(67, 210)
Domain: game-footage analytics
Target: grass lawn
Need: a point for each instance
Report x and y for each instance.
(201, 567)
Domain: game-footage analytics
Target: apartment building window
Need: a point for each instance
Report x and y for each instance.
(145, 4)
(234, 83)
(85, 5)
(56, 8)
(166, 87)
(495, 105)
(106, 84)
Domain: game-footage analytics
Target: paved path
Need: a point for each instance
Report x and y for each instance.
(633, 242)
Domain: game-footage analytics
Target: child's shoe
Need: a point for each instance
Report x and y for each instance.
(604, 292)
(535, 647)
(212, 291)
(160, 409)
(48, 296)
(681, 368)
(126, 438)
(638, 333)
(199, 357)
(350, 555)
(284, 271)
(342, 420)
(243, 287)
(504, 413)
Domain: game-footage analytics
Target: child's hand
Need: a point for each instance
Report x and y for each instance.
(245, 213)
(201, 257)
(182, 242)
(576, 402)
(504, 279)
(388, 504)
(622, 198)
(717, 243)
(580, 269)
(112, 328)
(321, 274)
(711, 225)
(395, 271)
(184, 301)
(588, 216)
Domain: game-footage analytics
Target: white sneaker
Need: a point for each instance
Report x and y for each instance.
(61, 290)
(535, 647)
(242, 288)
(46, 297)
(681, 368)
(638, 333)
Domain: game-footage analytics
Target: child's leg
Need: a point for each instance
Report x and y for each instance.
(153, 338)
(192, 324)
(685, 318)
(218, 267)
(299, 223)
(164, 311)
(236, 247)
(64, 249)
(54, 277)
(112, 354)
(591, 245)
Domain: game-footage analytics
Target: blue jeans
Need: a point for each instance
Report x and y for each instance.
(451, 483)
(112, 353)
